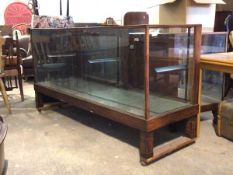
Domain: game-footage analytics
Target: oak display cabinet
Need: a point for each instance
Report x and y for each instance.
(128, 74)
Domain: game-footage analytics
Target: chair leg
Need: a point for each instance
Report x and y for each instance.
(21, 87)
(4, 95)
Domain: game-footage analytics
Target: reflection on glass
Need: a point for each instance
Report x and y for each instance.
(212, 81)
(92, 63)
(171, 59)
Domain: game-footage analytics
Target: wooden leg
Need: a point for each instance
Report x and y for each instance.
(21, 86)
(4, 95)
(200, 103)
(147, 155)
(219, 119)
(191, 127)
(39, 101)
(146, 146)
(215, 115)
(219, 123)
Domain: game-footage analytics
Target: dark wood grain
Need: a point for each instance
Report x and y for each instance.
(146, 73)
(168, 148)
(146, 145)
(197, 54)
(172, 117)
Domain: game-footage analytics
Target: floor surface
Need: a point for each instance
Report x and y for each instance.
(74, 142)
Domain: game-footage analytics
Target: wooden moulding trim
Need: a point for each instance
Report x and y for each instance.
(168, 148)
(205, 62)
(197, 54)
(107, 112)
(73, 29)
(226, 68)
(147, 74)
(172, 117)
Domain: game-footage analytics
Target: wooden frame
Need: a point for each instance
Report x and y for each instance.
(148, 123)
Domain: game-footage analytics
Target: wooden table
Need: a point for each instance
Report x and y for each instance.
(220, 62)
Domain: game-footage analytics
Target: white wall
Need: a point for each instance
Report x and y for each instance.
(92, 10)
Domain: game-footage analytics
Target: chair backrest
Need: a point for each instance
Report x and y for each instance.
(229, 27)
(12, 68)
(11, 52)
(40, 48)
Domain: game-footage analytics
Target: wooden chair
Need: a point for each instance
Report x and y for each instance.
(2, 86)
(12, 69)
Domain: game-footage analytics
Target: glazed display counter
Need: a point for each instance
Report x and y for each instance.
(127, 74)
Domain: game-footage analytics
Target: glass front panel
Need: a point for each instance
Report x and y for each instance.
(97, 64)
(171, 69)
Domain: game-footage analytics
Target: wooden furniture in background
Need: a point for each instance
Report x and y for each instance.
(220, 62)
(12, 69)
(220, 17)
(2, 86)
(136, 18)
(225, 126)
(6, 30)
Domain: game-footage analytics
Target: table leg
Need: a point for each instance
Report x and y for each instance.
(219, 120)
(4, 95)
(199, 102)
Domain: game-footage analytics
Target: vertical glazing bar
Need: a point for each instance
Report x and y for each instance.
(199, 102)
(187, 64)
(118, 59)
(197, 73)
(146, 72)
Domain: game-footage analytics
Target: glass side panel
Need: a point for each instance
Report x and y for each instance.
(212, 81)
(96, 64)
(171, 69)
